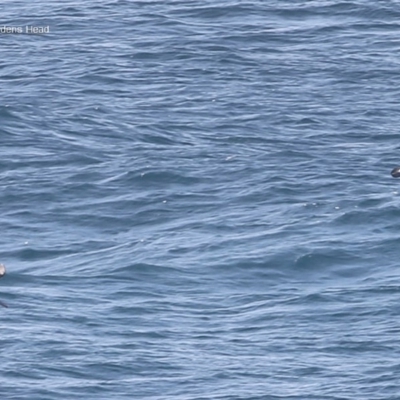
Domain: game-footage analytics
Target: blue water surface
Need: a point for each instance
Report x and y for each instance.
(196, 200)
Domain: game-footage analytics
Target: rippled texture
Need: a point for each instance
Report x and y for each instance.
(197, 202)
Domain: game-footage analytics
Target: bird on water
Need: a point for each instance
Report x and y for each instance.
(395, 172)
(2, 273)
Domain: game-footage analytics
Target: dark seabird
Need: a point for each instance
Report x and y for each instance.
(395, 172)
(2, 273)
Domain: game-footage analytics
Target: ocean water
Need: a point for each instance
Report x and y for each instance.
(196, 200)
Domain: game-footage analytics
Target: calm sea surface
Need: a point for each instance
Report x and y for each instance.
(196, 200)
